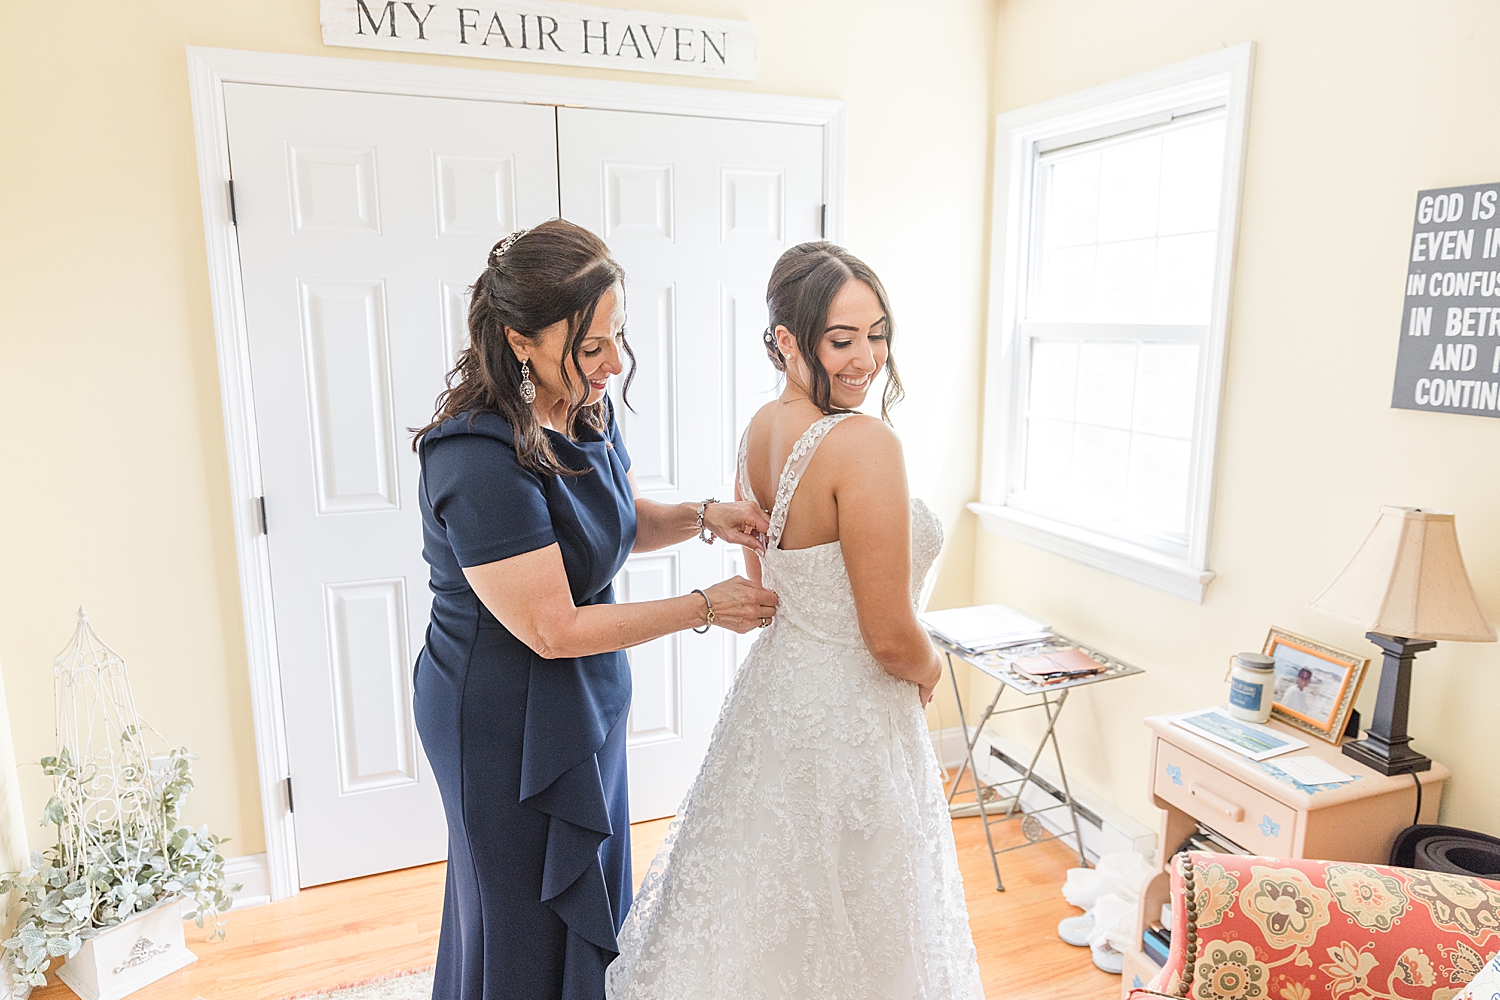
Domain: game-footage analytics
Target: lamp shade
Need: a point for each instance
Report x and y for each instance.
(1408, 579)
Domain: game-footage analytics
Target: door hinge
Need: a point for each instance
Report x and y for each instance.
(234, 215)
(823, 223)
(288, 782)
(264, 528)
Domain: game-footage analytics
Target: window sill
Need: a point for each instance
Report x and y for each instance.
(1133, 562)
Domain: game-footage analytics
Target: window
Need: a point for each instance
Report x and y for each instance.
(1112, 257)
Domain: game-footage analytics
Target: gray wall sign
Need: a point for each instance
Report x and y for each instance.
(1449, 358)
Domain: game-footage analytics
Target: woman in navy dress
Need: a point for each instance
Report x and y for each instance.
(522, 689)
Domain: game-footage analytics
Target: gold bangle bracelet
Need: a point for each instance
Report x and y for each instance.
(709, 621)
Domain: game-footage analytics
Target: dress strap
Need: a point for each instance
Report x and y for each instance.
(742, 466)
(796, 465)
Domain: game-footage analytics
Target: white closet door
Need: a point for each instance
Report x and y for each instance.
(697, 210)
(362, 220)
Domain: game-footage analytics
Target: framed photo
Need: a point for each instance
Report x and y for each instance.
(1315, 685)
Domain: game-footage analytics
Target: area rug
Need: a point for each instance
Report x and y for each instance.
(415, 984)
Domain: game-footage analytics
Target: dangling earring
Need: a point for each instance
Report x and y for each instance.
(528, 388)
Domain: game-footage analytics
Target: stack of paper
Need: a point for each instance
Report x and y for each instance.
(986, 627)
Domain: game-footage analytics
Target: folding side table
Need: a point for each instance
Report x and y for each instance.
(989, 798)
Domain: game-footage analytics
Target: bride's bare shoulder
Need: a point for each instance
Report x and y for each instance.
(866, 443)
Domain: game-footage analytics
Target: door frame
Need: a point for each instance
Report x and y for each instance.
(208, 70)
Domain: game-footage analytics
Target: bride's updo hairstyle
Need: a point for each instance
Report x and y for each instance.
(556, 271)
(803, 285)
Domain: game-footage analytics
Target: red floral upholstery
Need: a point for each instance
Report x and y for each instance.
(1272, 929)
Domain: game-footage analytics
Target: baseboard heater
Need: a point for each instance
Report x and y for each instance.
(1084, 812)
(1105, 828)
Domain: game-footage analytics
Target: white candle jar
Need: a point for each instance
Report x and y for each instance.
(1252, 681)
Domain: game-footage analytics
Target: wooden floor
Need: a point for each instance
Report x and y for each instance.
(351, 931)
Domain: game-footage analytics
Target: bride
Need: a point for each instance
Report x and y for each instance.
(813, 857)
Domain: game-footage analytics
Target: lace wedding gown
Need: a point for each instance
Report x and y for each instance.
(813, 857)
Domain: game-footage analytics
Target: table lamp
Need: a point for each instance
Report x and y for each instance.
(1408, 586)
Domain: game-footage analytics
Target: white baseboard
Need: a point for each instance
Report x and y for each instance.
(1106, 829)
(254, 877)
(949, 745)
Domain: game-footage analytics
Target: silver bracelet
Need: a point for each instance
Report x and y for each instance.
(709, 621)
(704, 535)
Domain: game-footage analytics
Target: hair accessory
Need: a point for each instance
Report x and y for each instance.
(528, 387)
(709, 621)
(505, 245)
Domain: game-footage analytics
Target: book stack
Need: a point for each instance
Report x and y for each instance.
(984, 628)
(1210, 841)
(1156, 942)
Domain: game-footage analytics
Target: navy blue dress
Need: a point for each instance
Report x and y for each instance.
(529, 753)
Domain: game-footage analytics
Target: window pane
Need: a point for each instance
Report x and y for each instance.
(1122, 282)
(1192, 167)
(1101, 458)
(1072, 202)
(1157, 491)
(1129, 175)
(1126, 228)
(1054, 378)
(1066, 288)
(1182, 287)
(1166, 389)
(1049, 456)
(1106, 384)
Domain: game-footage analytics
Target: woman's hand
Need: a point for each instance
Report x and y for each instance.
(924, 694)
(740, 605)
(741, 523)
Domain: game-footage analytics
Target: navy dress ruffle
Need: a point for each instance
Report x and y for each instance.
(528, 753)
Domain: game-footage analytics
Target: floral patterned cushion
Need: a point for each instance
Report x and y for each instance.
(1276, 929)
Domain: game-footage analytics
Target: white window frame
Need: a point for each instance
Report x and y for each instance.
(1219, 78)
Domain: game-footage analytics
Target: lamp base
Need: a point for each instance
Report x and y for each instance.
(1386, 747)
(1387, 758)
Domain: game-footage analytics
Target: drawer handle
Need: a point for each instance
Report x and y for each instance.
(1235, 813)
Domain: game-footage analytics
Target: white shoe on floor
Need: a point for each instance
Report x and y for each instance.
(1109, 960)
(1075, 930)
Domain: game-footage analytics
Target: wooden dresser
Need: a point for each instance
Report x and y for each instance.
(1195, 781)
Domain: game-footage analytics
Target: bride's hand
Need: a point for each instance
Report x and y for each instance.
(924, 694)
(740, 605)
(740, 523)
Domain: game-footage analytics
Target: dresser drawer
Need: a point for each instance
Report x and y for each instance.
(1249, 817)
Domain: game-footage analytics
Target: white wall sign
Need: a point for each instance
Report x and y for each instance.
(544, 31)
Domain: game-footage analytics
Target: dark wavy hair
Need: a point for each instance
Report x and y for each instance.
(802, 288)
(557, 271)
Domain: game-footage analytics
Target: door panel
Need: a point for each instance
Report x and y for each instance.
(697, 210)
(362, 220)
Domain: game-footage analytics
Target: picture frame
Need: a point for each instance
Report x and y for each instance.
(1315, 685)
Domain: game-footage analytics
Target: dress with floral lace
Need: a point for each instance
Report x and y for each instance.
(813, 857)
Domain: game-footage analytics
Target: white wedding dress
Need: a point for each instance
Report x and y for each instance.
(813, 858)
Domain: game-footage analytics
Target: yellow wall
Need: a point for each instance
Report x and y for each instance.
(114, 489)
(1355, 106)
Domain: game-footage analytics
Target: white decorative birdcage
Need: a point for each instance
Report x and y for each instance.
(108, 805)
(111, 893)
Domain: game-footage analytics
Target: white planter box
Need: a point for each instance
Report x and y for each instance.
(122, 959)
